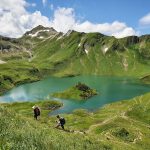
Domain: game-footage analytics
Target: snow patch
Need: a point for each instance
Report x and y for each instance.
(79, 45)
(36, 33)
(105, 49)
(86, 51)
(2, 62)
(59, 38)
(125, 64)
(47, 30)
(69, 32)
(41, 37)
(51, 37)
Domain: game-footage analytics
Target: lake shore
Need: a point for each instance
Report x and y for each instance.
(110, 125)
(106, 86)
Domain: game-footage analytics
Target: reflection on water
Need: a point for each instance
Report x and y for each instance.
(110, 89)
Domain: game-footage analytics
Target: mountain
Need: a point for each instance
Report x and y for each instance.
(38, 34)
(43, 51)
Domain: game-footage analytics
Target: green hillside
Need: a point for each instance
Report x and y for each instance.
(103, 55)
(45, 52)
(121, 125)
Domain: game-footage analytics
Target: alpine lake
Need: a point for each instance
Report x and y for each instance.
(110, 89)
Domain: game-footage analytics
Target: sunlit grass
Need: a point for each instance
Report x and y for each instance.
(116, 125)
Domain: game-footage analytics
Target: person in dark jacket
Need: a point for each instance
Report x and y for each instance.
(36, 111)
(61, 122)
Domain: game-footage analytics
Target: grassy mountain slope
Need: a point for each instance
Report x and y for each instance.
(44, 52)
(20, 131)
(120, 125)
(103, 55)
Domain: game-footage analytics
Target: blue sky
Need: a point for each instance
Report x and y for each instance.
(128, 11)
(124, 17)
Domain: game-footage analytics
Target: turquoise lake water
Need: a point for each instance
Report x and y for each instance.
(110, 89)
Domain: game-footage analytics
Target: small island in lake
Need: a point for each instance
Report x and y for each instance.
(78, 92)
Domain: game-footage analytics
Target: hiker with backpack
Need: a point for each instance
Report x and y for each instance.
(36, 111)
(61, 122)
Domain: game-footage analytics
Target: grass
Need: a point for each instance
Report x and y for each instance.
(71, 93)
(120, 125)
(25, 107)
(65, 57)
(146, 79)
(78, 92)
(21, 131)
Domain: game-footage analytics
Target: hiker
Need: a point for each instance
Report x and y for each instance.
(37, 112)
(61, 122)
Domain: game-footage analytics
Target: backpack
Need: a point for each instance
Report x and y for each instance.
(37, 111)
(62, 121)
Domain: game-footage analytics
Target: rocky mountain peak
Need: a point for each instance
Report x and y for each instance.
(41, 32)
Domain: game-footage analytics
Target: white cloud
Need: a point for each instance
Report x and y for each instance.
(64, 19)
(13, 5)
(16, 20)
(145, 20)
(33, 4)
(127, 31)
(117, 29)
